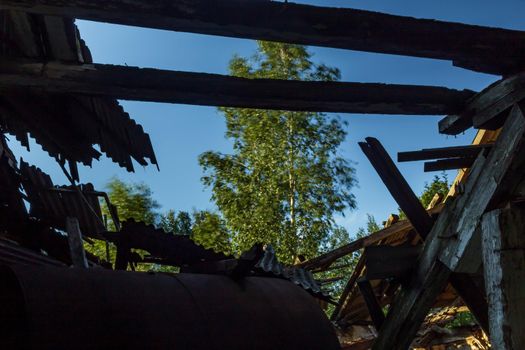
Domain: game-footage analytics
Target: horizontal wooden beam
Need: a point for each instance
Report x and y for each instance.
(440, 153)
(488, 109)
(132, 83)
(490, 50)
(449, 164)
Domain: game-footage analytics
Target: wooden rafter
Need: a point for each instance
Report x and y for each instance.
(449, 164)
(489, 108)
(453, 236)
(440, 153)
(131, 83)
(489, 50)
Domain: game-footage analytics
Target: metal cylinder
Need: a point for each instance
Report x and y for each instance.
(68, 308)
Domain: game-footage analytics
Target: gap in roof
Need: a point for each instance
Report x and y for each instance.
(154, 48)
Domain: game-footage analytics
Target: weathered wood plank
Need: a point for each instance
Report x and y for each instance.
(502, 173)
(452, 234)
(490, 50)
(397, 186)
(504, 261)
(488, 109)
(448, 164)
(76, 245)
(444, 152)
(131, 83)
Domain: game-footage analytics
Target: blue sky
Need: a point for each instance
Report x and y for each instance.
(180, 133)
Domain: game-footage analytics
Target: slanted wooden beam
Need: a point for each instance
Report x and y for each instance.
(503, 232)
(449, 164)
(489, 50)
(452, 234)
(132, 83)
(329, 257)
(440, 153)
(397, 186)
(374, 308)
(489, 108)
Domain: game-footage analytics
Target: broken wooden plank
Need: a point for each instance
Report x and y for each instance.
(490, 50)
(504, 261)
(132, 83)
(488, 109)
(444, 152)
(397, 186)
(448, 164)
(341, 304)
(452, 233)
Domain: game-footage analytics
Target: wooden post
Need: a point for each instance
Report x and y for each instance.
(76, 247)
(503, 241)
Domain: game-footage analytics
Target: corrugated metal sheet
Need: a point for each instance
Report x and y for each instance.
(12, 253)
(301, 277)
(53, 206)
(168, 248)
(66, 126)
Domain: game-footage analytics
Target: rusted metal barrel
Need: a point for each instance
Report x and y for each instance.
(68, 308)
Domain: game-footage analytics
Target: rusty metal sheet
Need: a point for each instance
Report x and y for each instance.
(101, 309)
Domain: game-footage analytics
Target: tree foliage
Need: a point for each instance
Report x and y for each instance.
(179, 223)
(338, 238)
(284, 180)
(439, 185)
(133, 201)
(209, 230)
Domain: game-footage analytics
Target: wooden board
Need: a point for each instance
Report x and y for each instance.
(489, 50)
(132, 83)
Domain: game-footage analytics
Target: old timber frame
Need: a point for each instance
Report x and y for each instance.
(437, 250)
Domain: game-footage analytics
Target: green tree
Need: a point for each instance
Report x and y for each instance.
(209, 230)
(285, 179)
(439, 185)
(133, 201)
(180, 223)
(345, 266)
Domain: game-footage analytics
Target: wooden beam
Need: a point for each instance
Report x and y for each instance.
(329, 257)
(372, 304)
(449, 164)
(473, 295)
(131, 83)
(452, 233)
(489, 108)
(397, 186)
(499, 178)
(504, 261)
(489, 50)
(440, 153)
